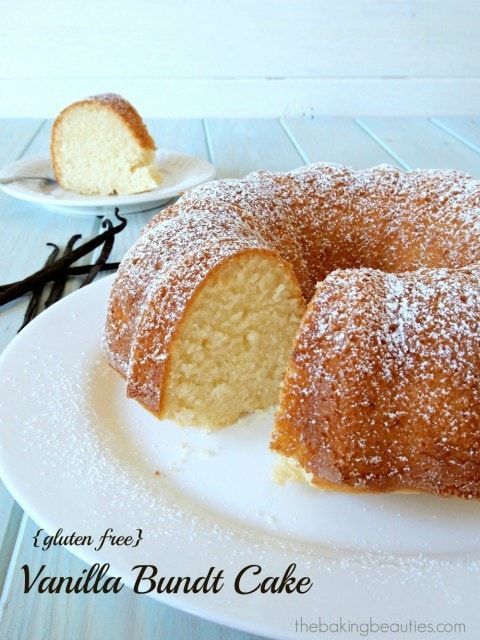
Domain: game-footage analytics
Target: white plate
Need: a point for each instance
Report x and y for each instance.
(180, 173)
(77, 454)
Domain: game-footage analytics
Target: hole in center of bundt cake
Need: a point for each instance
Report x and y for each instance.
(233, 345)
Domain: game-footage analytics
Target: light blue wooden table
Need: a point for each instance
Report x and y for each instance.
(235, 147)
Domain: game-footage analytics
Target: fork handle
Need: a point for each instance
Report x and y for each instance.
(15, 178)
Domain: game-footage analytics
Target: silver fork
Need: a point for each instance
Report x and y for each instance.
(9, 179)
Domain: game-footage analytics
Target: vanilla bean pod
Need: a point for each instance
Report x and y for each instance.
(82, 270)
(71, 272)
(58, 285)
(34, 303)
(49, 272)
(102, 258)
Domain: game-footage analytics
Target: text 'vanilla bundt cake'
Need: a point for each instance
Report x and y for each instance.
(101, 146)
(381, 386)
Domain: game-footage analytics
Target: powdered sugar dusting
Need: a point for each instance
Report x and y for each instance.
(384, 382)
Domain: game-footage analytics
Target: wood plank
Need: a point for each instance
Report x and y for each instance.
(466, 130)
(312, 38)
(15, 136)
(241, 146)
(419, 143)
(121, 616)
(251, 97)
(183, 135)
(338, 140)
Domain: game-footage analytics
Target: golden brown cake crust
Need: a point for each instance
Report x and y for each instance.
(382, 392)
(118, 105)
(390, 238)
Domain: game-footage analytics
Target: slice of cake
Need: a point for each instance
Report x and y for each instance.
(100, 145)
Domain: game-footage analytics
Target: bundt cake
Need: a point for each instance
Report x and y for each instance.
(381, 386)
(100, 145)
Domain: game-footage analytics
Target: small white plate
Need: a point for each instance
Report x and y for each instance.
(180, 172)
(78, 455)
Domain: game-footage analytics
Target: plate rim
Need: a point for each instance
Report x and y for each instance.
(90, 201)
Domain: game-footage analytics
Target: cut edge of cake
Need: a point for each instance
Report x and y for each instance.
(101, 146)
(248, 311)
